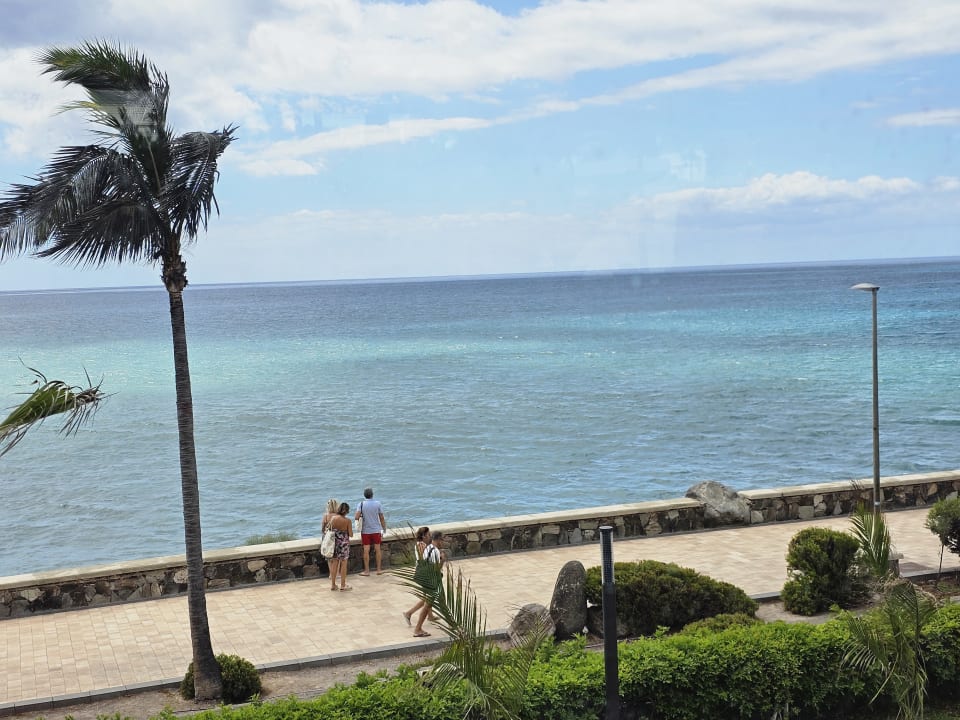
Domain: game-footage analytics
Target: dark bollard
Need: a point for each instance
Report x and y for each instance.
(610, 659)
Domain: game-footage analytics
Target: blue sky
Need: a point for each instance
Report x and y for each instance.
(459, 138)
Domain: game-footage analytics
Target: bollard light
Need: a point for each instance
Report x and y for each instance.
(876, 400)
(611, 667)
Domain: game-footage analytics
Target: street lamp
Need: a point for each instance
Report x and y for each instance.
(876, 400)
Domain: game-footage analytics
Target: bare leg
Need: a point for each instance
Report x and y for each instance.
(366, 560)
(334, 567)
(379, 560)
(343, 574)
(418, 631)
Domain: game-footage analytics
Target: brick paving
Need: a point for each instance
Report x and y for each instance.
(53, 659)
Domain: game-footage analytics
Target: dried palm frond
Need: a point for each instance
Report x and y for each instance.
(52, 397)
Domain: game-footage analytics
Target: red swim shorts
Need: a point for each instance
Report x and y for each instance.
(371, 538)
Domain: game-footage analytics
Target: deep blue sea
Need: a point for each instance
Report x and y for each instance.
(468, 398)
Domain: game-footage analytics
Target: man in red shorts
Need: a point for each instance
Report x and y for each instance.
(372, 527)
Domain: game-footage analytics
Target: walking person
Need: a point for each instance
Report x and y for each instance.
(433, 553)
(343, 530)
(372, 527)
(423, 540)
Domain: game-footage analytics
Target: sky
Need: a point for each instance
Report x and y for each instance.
(394, 139)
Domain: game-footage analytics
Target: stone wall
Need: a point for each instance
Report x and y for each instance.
(293, 560)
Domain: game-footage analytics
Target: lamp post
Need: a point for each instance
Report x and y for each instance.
(876, 400)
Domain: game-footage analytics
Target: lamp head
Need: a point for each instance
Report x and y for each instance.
(865, 286)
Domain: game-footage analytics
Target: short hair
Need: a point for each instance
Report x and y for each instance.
(422, 532)
(343, 509)
(438, 535)
(368, 493)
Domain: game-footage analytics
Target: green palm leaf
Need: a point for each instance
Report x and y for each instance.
(52, 397)
(493, 682)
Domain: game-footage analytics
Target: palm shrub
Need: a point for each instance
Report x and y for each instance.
(871, 532)
(943, 520)
(824, 570)
(888, 640)
(492, 682)
(651, 594)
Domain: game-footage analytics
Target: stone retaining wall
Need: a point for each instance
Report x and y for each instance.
(232, 567)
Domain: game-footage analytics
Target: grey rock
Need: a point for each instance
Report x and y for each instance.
(595, 622)
(721, 505)
(568, 606)
(529, 617)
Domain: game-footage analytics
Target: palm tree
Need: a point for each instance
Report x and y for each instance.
(140, 195)
(52, 397)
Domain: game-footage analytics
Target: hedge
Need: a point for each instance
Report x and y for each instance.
(746, 672)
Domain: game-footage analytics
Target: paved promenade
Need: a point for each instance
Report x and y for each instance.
(60, 658)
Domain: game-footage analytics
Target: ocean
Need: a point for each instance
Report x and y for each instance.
(467, 398)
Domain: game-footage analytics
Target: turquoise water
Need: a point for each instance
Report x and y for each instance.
(469, 398)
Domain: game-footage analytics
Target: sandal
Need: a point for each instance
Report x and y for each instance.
(346, 588)
(422, 633)
(407, 618)
(334, 588)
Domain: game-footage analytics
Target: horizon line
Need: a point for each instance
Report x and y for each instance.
(506, 276)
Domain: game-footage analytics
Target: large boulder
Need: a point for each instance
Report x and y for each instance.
(721, 505)
(595, 623)
(529, 617)
(568, 606)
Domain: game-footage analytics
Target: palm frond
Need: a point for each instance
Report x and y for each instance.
(888, 642)
(493, 685)
(188, 193)
(90, 205)
(52, 397)
(871, 532)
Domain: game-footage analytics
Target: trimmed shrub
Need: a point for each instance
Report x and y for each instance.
(824, 571)
(653, 594)
(719, 623)
(241, 681)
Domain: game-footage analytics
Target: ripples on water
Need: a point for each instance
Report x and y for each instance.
(469, 398)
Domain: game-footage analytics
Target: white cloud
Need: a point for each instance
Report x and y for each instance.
(235, 60)
(944, 116)
(305, 156)
(777, 192)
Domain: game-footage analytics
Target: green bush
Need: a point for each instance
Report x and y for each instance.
(241, 681)
(824, 571)
(652, 594)
(751, 672)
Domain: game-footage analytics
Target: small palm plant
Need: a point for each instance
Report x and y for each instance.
(871, 532)
(494, 683)
(52, 397)
(887, 641)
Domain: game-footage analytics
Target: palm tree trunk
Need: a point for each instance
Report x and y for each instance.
(206, 671)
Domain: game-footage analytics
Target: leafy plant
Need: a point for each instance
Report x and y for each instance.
(888, 640)
(871, 532)
(241, 681)
(492, 681)
(272, 537)
(652, 594)
(52, 397)
(943, 520)
(824, 570)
